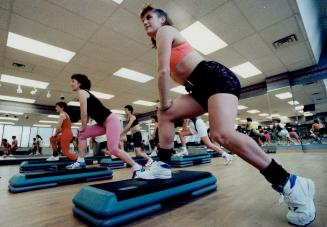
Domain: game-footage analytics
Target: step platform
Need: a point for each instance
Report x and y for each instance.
(142, 161)
(30, 181)
(43, 165)
(117, 203)
(190, 160)
(115, 163)
(213, 154)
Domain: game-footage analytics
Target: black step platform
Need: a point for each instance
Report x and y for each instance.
(114, 163)
(190, 160)
(43, 165)
(30, 181)
(117, 203)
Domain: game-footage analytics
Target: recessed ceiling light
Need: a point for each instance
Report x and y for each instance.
(16, 99)
(275, 115)
(23, 81)
(144, 103)
(246, 70)
(284, 95)
(293, 103)
(39, 48)
(132, 75)
(77, 123)
(101, 95)
(253, 111)
(73, 103)
(240, 107)
(307, 114)
(118, 1)
(263, 115)
(179, 89)
(203, 39)
(299, 107)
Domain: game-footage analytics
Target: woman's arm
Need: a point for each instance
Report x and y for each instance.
(164, 40)
(61, 119)
(82, 97)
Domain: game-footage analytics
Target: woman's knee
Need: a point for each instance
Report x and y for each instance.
(224, 138)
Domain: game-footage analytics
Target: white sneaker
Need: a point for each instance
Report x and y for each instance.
(158, 170)
(299, 194)
(53, 158)
(149, 162)
(228, 159)
(182, 153)
(76, 165)
(153, 153)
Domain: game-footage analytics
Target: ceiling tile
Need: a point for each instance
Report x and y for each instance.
(4, 19)
(6, 4)
(300, 64)
(262, 13)
(55, 17)
(293, 54)
(270, 65)
(228, 23)
(227, 56)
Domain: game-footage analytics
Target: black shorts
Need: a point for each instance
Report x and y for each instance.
(210, 78)
(137, 139)
(103, 145)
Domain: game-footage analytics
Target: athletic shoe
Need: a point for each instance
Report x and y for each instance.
(149, 162)
(181, 153)
(53, 158)
(76, 165)
(158, 170)
(136, 172)
(228, 159)
(299, 194)
(153, 153)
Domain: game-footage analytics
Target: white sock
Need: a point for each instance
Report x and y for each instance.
(183, 149)
(79, 159)
(224, 155)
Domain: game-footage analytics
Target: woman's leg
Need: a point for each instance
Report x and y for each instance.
(222, 113)
(91, 131)
(211, 146)
(64, 142)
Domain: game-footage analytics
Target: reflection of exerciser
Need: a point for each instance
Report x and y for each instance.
(116, 203)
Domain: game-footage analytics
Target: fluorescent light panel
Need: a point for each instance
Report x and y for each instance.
(284, 95)
(299, 107)
(25, 82)
(78, 123)
(101, 95)
(118, 111)
(39, 48)
(203, 39)
(144, 103)
(133, 75)
(246, 70)
(9, 118)
(51, 122)
(6, 123)
(11, 112)
(118, 1)
(263, 115)
(307, 114)
(40, 125)
(16, 99)
(53, 116)
(275, 115)
(179, 89)
(73, 103)
(253, 111)
(240, 107)
(293, 103)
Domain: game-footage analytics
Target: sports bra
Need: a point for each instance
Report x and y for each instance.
(178, 53)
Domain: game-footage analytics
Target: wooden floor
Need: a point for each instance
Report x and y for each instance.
(244, 198)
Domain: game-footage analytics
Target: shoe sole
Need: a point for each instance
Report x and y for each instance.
(311, 189)
(163, 177)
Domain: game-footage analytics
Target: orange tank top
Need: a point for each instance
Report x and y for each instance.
(66, 124)
(178, 53)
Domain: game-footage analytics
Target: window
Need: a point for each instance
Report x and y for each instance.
(32, 135)
(25, 137)
(45, 133)
(1, 131)
(10, 131)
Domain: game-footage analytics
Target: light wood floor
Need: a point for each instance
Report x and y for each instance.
(244, 198)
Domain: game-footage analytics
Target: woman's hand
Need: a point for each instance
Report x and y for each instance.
(165, 107)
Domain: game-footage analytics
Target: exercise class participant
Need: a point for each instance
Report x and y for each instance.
(214, 89)
(63, 134)
(134, 127)
(107, 123)
(198, 127)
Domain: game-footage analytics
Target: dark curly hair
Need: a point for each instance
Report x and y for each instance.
(83, 80)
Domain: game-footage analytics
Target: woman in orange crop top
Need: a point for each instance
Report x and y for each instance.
(63, 135)
(212, 88)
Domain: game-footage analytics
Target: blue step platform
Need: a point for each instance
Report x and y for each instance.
(112, 163)
(43, 165)
(213, 154)
(190, 160)
(117, 203)
(37, 180)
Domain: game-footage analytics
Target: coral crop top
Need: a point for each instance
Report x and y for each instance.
(178, 53)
